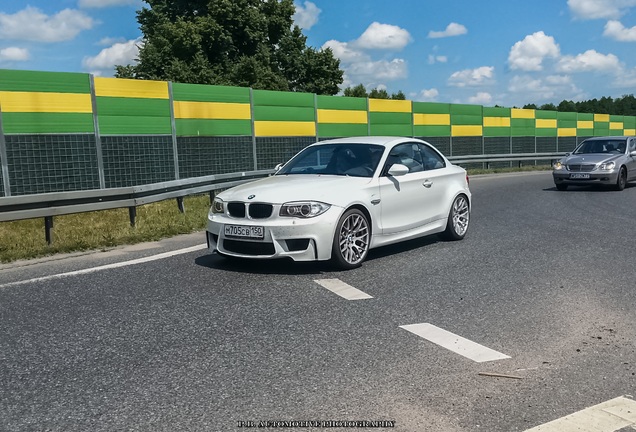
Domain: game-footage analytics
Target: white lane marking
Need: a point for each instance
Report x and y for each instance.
(457, 344)
(108, 266)
(608, 416)
(344, 290)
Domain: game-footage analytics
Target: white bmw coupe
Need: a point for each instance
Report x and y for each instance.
(337, 199)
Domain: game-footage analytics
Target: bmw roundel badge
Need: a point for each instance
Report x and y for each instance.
(251, 197)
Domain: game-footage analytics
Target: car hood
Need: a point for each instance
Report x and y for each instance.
(589, 158)
(299, 187)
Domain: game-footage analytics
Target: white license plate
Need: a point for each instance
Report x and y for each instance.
(255, 232)
(579, 176)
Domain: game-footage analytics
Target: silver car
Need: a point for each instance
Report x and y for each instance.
(600, 160)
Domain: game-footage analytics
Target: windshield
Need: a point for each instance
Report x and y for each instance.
(601, 146)
(356, 160)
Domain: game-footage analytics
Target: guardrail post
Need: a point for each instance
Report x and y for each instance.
(180, 205)
(98, 136)
(48, 228)
(3, 158)
(132, 214)
(253, 125)
(212, 194)
(173, 127)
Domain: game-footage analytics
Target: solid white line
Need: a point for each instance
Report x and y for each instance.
(608, 416)
(108, 266)
(344, 290)
(457, 344)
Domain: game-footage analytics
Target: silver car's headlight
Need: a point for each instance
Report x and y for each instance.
(218, 206)
(303, 209)
(558, 165)
(607, 166)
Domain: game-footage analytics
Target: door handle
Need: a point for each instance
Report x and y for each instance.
(427, 183)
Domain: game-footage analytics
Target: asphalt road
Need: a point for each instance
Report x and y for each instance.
(192, 342)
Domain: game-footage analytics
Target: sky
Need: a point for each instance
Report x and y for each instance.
(497, 52)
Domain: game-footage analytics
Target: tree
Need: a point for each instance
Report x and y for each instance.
(357, 91)
(548, 107)
(378, 94)
(250, 43)
(361, 91)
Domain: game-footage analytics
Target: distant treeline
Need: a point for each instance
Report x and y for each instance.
(625, 105)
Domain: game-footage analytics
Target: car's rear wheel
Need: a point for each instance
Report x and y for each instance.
(458, 218)
(561, 186)
(351, 240)
(621, 181)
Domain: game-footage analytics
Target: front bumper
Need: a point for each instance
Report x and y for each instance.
(284, 237)
(595, 177)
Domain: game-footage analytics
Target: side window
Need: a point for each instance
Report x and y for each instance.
(632, 145)
(430, 158)
(407, 154)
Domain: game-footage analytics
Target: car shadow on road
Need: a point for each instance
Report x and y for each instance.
(588, 188)
(289, 267)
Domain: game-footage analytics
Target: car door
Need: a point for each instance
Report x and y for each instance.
(411, 200)
(631, 160)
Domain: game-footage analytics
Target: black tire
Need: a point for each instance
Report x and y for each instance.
(621, 181)
(351, 240)
(561, 186)
(458, 219)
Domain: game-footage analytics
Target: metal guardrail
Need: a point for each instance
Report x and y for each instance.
(48, 205)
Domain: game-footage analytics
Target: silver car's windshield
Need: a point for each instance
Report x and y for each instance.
(356, 160)
(601, 146)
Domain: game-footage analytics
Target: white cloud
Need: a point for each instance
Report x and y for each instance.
(118, 54)
(437, 59)
(383, 36)
(428, 95)
(626, 80)
(617, 31)
(550, 89)
(600, 9)
(108, 41)
(33, 25)
(528, 54)
(14, 54)
(107, 3)
(345, 52)
(589, 61)
(306, 17)
(453, 29)
(472, 77)
(379, 70)
(481, 98)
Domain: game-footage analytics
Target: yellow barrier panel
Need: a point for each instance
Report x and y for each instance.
(45, 102)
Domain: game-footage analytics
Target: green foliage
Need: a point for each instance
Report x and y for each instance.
(361, 91)
(357, 91)
(248, 43)
(625, 105)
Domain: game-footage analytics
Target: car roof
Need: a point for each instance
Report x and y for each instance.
(386, 141)
(604, 138)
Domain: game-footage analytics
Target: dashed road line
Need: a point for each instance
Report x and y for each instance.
(107, 266)
(609, 416)
(342, 289)
(457, 344)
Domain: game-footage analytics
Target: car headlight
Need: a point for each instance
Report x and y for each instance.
(303, 209)
(218, 206)
(607, 166)
(558, 165)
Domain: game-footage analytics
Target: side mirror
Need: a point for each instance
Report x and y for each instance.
(278, 167)
(632, 153)
(567, 154)
(398, 170)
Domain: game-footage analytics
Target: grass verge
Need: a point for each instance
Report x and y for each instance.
(108, 228)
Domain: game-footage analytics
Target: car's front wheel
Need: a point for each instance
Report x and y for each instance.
(458, 218)
(621, 181)
(351, 240)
